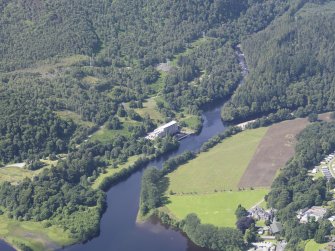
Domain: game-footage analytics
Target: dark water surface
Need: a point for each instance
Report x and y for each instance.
(5, 247)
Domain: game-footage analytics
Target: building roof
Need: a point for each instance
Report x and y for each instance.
(276, 227)
(173, 122)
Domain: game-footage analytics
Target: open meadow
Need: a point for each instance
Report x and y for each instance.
(239, 170)
(217, 208)
(220, 168)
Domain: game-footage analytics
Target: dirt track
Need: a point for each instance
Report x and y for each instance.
(274, 150)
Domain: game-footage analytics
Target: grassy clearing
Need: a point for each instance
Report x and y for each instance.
(48, 66)
(220, 168)
(159, 84)
(192, 122)
(33, 234)
(111, 171)
(313, 246)
(149, 108)
(218, 208)
(189, 49)
(91, 80)
(105, 135)
(69, 115)
(14, 174)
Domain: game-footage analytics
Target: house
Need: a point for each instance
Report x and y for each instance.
(314, 212)
(276, 227)
(170, 128)
(263, 246)
(259, 213)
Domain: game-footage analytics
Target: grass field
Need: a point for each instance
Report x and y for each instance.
(15, 174)
(220, 168)
(111, 171)
(149, 107)
(313, 246)
(218, 208)
(192, 122)
(75, 117)
(105, 135)
(33, 234)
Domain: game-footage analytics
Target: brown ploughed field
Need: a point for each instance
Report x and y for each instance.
(274, 150)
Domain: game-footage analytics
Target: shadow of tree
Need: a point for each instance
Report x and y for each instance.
(162, 186)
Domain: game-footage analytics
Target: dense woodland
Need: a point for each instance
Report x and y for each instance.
(293, 69)
(293, 189)
(97, 60)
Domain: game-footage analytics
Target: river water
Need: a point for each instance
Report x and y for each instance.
(119, 230)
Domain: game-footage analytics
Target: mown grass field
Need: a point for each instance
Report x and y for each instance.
(208, 184)
(33, 234)
(111, 171)
(217, 208)
(220, 168)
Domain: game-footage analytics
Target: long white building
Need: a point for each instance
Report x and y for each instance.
(167, 129)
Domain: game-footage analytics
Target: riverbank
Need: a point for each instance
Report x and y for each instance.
(39, 236)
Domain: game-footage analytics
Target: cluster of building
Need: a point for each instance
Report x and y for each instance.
(170, 128)
(263, 246)
(259, 213)
(306, 214)
(325, 171)
(328, 159)
(324, 167)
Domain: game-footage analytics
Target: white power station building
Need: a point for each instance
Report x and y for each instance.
(167, 129)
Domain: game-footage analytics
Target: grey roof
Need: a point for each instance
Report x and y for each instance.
(276, 227)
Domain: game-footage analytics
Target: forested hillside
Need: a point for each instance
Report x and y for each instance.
(90, 58)
(148, 31)
(291, 65)
(293, 189)
(69, 69)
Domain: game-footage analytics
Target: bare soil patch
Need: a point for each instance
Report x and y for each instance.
(274, 150)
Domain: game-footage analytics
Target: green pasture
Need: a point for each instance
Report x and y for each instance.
(219, 169)
(217, 208)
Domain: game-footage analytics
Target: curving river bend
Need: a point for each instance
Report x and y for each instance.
(119, 230)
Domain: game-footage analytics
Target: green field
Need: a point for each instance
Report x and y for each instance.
(33, 234)
(105, 135)
(313, 246)
(218, 208)
(207, 185)
(66, 115)
(192, 122)
(220, 168)
(15, 174)
(149, 108)
(111, 171)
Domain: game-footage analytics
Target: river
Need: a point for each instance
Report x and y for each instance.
(119, 230)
